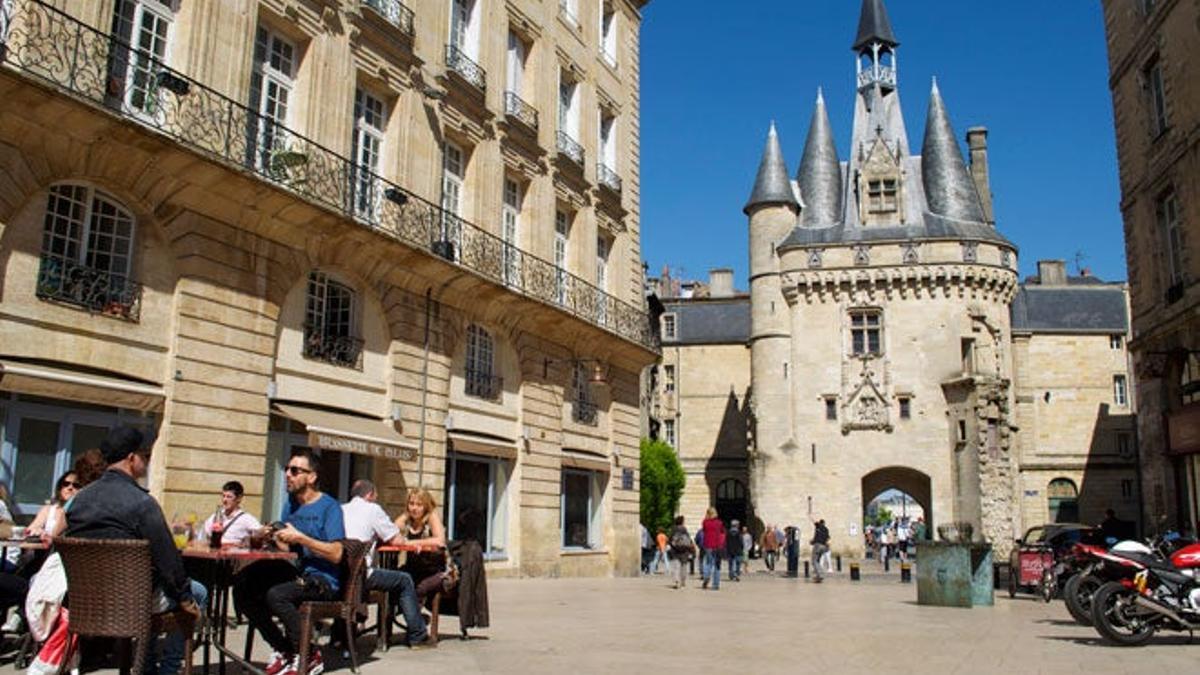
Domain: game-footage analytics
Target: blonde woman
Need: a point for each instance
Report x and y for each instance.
(421, 524)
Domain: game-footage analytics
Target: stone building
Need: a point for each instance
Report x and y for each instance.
(885, 345)
(1153, 46)
(406, 236)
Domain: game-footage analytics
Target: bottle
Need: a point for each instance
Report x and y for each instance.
(218, 530)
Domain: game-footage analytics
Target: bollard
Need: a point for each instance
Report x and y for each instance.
(905, 573)
(805, 569)
(887, 563)
(854, 573)
(839, 562)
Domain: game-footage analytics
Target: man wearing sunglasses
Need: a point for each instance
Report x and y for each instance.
(312, 528)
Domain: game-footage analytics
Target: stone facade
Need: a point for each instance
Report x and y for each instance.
(1152, 51)
(319, 270)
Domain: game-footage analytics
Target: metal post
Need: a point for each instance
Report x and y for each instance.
(887, 560)
(905, 573)
(855, 574)
(805, 569)
(839, 562)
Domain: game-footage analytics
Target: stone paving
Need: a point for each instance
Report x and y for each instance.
(764, 624)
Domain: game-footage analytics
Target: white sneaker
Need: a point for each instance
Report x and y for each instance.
(13, 625)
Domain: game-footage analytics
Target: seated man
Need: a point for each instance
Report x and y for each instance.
(236, 525)
(312, 528)
(366, 521)
(117, 507)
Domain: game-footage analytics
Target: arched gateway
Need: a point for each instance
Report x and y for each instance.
(909, 481)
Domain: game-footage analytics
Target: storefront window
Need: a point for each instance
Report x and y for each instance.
(476, 501)
(581, 500)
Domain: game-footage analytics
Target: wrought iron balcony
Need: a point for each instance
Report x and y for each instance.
(395, 12)
(516, 108)
(585, 412)
(885, 75)
(66, 281)
(458, 62)
(340, 350)
(48, 46)
(483, 384)
(608, 177)
(570, 148)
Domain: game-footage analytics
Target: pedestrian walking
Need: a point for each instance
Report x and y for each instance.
(681, 550)
(647, 550)
(770, 547)
(820, 546)
(714, 547)
(660, 552)
(747, 548)
(733, 550)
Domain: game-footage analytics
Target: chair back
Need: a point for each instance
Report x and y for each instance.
(354, 564)
(110, 585)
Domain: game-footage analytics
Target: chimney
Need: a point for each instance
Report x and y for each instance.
(1052, 272)
(720, 283)
(977, 144)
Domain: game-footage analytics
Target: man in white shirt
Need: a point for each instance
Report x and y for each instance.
(366, 521)
(236, 524)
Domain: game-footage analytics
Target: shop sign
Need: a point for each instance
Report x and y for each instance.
(327, 441)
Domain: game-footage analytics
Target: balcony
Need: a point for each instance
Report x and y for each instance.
(100, 291)
(395, 12)
(570, 148)
(607, 177)
(51, 48)
(585, 412)
(884, 75)
(516, 108)
(458, 62)
(483, 384)
(338, 350)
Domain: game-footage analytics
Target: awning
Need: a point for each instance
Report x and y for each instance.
(341, 432)
(585, 460)
(476, 444)
(76, 385)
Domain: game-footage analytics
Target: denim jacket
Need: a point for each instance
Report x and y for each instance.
(116, 507)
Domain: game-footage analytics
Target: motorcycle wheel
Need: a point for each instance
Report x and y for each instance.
(1048, 585)
(1117, 619)
(1078, 594)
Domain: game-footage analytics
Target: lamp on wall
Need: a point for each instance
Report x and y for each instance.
(597, 373)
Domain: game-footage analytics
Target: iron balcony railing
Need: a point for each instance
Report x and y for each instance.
(96, 290)
(570, 148)
(516, 108)
(340, 350)
(483, 384)
(608, 177)
(49, 46)
(585, 412)
(395, 12)
(885, 75)
(458, 62)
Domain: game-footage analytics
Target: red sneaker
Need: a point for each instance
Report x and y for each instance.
(277, 663)
(316, 664)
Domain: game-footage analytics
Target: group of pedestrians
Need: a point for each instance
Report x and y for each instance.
(893, 539)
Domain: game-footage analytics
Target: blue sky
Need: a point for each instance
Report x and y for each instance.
(714, 75)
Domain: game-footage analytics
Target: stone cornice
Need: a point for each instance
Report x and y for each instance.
(978, 282)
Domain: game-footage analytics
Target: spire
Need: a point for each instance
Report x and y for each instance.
(949, 189)
(772, 185)
(874, 26)
(820, 174)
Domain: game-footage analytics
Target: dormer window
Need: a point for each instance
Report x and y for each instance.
(881, 196)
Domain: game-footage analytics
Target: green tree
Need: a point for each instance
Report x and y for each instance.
(662, 485)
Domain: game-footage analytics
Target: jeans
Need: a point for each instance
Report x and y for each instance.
(818, 550)
(171, 659)
(402, 593)
(274, 588)
(711, 568)
(735, 566)
(769, 559)
(660, 560)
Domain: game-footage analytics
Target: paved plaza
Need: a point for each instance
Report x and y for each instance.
(765, 624)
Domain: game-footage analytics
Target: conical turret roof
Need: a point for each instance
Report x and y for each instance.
(874, 26)
(820, 173)
(949, 190)
(771, 186)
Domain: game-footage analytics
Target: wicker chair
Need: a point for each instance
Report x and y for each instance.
(111, 594)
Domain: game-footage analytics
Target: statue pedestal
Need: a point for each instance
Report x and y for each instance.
(954, 575)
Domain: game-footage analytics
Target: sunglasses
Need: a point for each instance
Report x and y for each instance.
(72, 484)
(297, 470)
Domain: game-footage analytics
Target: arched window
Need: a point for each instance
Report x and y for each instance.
(731, 501)
(331, 322)
(87, 250)
(584, 408)
(481, 365)
(731, 488)
(1063, 499)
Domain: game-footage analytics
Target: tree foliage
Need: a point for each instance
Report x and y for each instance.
(662, 485)
(883, 516)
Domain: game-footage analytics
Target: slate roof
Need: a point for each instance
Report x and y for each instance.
(706, 321)
(933, 227)
(771, 185)
(874, 26)
(1070, 309)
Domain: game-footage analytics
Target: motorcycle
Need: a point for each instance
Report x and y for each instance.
(1097, 565)
(1158, 595)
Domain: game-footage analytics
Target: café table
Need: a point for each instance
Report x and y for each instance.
(28, 544)
(220, 565)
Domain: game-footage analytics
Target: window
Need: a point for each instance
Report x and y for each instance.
(464, 28)
(905, 408)
(607, 169)
(603, 248)
(568, 106)
(330, 322)
(962, 431)
(967, 350)
(669, 378)
(583, 409)
(1153, 77)
(87, 249)
(1063, 498)
(1171, 229)
(669, 432)
(1189, 379)
(480, 373)
(881, 195)
(510, 219)
(367, 147)
(569, 11)
(562, 236)
(1124, 447)
(145, 26)
(1115, 341)
(1126, 488)
(449, 246)
(866, 332)
(1120, 391)
(608, 34)
(582, 498)
(477, 501)
(668, 327)
(271, 83)
(515, 63)
(831, 408)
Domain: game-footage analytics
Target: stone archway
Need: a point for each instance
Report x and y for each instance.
(907, 480)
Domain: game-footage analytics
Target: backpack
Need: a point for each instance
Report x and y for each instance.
(680, 542)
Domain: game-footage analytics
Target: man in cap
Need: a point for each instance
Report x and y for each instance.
(117, 507)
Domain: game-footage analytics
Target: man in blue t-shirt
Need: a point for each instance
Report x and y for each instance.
(312, 528)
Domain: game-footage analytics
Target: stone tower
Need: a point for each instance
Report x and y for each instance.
(880, 320)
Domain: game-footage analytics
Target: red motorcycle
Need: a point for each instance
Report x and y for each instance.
(1159, 595)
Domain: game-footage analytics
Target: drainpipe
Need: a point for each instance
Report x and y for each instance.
(424, 390)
